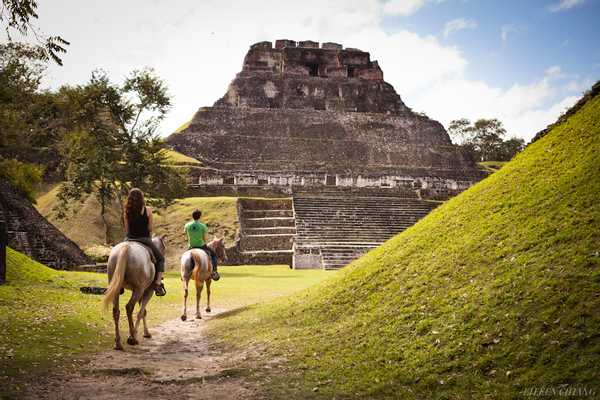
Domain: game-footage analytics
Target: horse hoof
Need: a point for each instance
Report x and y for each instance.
(132, 341)
(208, 309)
(183, 317)
(198, 316)
(147, 336)
(118, 347)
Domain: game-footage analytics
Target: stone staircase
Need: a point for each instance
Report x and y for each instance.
(267, 230)
(333, 230)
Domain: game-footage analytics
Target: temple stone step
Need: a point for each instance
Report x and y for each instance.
(270, 230)
(268, 257)
(265, 204)
(269, 222)
(267, 230)
(267, 242)
(337, 230)
(267, 213)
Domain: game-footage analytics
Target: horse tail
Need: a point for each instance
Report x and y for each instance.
(114, 287)
(196, 270)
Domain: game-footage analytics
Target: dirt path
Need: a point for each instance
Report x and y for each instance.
(178, 362)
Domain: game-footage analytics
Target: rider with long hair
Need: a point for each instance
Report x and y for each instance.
(138, 225)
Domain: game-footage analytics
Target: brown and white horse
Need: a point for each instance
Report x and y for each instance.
(201, 272)
(130, 267)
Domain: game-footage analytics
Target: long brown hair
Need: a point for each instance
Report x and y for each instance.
(135, 203)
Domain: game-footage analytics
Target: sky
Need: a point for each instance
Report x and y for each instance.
(523, 62)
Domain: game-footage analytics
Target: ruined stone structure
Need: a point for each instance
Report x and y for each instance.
(334, 228)
(302, 117)
(30, 233)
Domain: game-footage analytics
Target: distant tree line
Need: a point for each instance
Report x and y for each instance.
(484, 139)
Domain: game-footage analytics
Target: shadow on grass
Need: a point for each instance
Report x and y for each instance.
(232, 313)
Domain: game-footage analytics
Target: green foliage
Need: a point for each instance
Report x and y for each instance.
(493, 293)
(45, 320)
(484, 139)
(23, 176)
(113, 145)
(20, 75)
(18, 16)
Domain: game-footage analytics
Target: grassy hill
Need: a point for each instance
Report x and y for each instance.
(179, 159)
(45, 320)
(493, 294)
(85, 227)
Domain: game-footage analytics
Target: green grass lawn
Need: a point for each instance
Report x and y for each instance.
(45, 320)
(495, 292)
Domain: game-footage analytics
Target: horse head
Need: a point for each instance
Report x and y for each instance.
(218, 246)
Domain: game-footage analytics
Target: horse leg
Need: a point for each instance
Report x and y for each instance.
(198, 293)
(135, 297)
(208, 295)
(185, 296)
(116, 315)
(143, 312)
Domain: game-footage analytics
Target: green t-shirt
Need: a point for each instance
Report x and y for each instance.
(195, 232)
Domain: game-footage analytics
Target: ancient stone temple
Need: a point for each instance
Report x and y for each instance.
(29, 232)
(305, 120)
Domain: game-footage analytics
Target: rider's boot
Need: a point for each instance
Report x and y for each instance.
(215, 275)
(159, 287)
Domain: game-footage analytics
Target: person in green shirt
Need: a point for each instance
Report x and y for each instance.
(197, 236)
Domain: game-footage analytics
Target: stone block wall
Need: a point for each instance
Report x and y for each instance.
(30, 233)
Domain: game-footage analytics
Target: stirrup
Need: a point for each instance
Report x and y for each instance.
(160, 290)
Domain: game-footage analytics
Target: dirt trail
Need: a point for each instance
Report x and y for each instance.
(178, 362)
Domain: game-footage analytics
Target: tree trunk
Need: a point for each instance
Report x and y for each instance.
(103, 216)
(3, 243)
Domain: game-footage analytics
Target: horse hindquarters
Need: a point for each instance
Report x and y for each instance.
(116, 282)
(113, 291)
(198, 280)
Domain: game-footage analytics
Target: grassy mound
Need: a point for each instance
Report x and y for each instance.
(492, 295)
(85, 227)
(179, 159)
(45, 320)
(491, 166)
(219, 213)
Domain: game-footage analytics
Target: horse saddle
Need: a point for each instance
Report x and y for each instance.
(152, 258)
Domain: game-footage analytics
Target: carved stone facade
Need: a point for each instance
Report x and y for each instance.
(319, 123)
(300, 115)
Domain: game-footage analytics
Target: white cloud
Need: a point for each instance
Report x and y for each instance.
(554, 72)
(458, 24)
(565, 5)
(197, 51)
(402, 7)
(506, 30)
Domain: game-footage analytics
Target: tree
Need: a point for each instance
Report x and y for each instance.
(112, 142)
(17, 17)
(484, 139)
(20, 76)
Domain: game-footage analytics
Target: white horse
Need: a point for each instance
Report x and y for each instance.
(201, 272)
(130, 267)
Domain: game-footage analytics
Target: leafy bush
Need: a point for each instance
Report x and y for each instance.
(24, 176)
